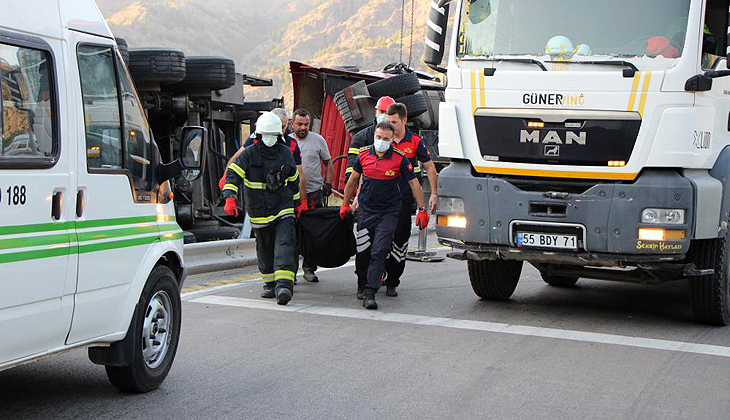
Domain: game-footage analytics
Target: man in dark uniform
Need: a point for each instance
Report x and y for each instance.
(270, 181)
(365, 137)
(381, 167)
(415, 150)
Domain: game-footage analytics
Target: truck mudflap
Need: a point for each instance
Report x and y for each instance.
(603, 216)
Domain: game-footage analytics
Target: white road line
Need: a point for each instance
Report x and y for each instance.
(462, 324)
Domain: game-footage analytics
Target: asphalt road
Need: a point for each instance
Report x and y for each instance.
(600, 350)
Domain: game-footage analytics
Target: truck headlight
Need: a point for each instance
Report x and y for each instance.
(450, 204)
(453, 220)
(663, 216)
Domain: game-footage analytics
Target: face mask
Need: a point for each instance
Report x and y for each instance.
(269, 139)
(381, 145)
(381, 118)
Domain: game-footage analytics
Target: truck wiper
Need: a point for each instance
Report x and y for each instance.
(618, 63)
(523, 60)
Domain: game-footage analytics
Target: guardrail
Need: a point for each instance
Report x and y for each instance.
(212, 256)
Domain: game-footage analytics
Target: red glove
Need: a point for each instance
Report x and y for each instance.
(222, 182)
(300, 208)
(422, 219)
(231, 207)
(343, 211)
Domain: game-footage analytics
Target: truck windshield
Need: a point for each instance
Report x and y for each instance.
(649, 32)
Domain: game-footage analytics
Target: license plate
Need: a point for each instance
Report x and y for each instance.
(546, 240)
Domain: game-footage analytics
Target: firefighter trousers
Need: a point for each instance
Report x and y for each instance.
(374, 238)
(275, 252)
(395, 264)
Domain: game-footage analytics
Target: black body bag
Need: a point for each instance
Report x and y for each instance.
(324, 239)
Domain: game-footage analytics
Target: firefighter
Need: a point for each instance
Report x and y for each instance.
(270, 182)
(381, 167)
(365, 137)
(415, 150)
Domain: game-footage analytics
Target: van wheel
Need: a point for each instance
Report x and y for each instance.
(158, 320)
(559, 281)
(710, 295)
(395, 86)
(494, 280)
(156, 65)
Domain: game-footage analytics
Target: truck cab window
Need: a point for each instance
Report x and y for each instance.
(101, 107)
(27, 111)
(714, 37)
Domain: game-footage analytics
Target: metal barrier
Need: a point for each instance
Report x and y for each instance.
(207, 257)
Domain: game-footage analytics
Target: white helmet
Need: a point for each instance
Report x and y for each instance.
(559, 47)
(268, 123)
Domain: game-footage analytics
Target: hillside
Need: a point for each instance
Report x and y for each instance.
(262, 39)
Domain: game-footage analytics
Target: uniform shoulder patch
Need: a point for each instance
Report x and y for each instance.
(364, 149)
(399, 151)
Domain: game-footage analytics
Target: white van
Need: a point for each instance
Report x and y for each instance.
(90, 252)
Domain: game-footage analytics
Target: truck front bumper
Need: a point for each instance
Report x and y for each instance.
(606, 216)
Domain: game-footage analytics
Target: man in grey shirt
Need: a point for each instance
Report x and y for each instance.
(315, 154)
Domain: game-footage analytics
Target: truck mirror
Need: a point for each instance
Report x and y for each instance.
(192, 156)
(438, 20)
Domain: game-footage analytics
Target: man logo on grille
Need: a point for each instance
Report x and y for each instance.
(552, 150)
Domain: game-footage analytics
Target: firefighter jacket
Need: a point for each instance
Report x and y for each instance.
(270, 182)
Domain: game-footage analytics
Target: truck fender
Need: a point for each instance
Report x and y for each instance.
(721, 171)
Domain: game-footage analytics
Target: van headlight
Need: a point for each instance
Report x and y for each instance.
(663, 216)
(450, 204)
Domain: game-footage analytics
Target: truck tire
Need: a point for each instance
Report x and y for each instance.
(494, 280)
(395, 86)
(416, 104)
(209, 72)
(123, 48)
(710, 294)
(559, 281)
(156, 65)
(158, 319)
(352, 125)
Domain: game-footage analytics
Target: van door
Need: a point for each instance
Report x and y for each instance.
(119, 221)
(36, 229)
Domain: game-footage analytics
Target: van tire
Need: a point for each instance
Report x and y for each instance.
(559, 281)
(395, 86)
(494, 279)
(139, 376)
(156, 65)
(710, 295)
(209, 73)
(416, 104)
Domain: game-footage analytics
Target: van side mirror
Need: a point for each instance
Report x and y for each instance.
(438, 21)
(192, 156)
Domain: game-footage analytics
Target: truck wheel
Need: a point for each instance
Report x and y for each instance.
(158, 319)
(559, 281)
(156, 65)
(494, 280)
(710, 294)
(209, 73)
(416, 104)
(395, 86)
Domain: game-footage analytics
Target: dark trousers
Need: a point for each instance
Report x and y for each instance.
(395, 264)
(374, 238)
(314, 200)
(274, 251)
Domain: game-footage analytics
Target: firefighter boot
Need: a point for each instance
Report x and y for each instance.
(268, 292)
(369, 299)
(284, 291)
(360, 292)
(390, 291)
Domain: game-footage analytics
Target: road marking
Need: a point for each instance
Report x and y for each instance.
(463, 324)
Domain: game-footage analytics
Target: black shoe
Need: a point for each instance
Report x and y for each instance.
(310, 276)
(369, 299)
(390, 291)
(268, 292)
(283, 296)
(360, 292)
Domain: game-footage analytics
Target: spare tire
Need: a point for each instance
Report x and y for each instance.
(351, 124)
(395, 86)
(123, 48)
(209, 72)
(416, 104)
(156, 65)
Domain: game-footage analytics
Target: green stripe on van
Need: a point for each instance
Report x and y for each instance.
(35, 255)
(64, 238)
(119, 233)
(85, 224)
(43, 227)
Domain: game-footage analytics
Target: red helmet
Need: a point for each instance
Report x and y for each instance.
(384, 103)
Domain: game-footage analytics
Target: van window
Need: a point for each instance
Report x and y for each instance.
(27, 113)
(101, 107)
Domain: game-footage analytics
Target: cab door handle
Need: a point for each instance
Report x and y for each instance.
(56, 205)
(80, 203)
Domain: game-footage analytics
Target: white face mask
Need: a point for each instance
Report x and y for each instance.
(269, 139)
(381, 118)
(381, 145)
